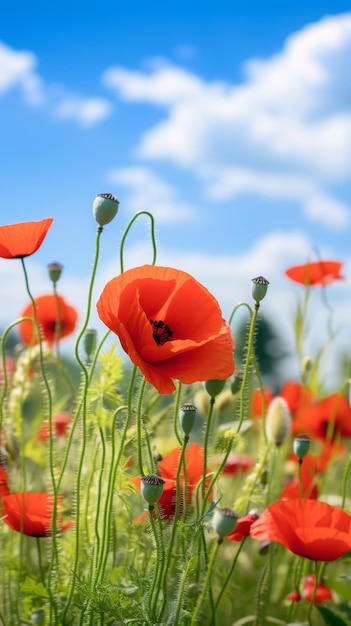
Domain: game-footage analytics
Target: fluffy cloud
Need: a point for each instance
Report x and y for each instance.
(289, 122)
(18, 69)
(85, 111)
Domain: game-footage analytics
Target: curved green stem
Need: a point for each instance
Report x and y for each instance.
(83, 412)
(153, 238)
(206, 582)
(228, 577)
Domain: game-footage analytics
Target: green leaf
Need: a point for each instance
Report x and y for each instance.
(332, 617)
(30, 586)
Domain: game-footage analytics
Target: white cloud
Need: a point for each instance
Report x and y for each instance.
(85, 111)
(147, 191)
(18, 69)
(290, 120)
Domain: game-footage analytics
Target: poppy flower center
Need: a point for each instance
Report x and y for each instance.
(161, 332)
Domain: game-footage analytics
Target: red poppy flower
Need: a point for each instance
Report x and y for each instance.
(60, 423)
(323, 593)
(238, 463)
(49, 315)
(243, 525)
(296, 395)
(30, 513)
(257, 404)
(170, 326)
(194, 459)
(292, 487)
(324, 418)
(4, 487)
(23, 239)
(309, 528)
(294, 596)
(317, 273)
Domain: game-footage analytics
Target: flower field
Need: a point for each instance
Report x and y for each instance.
(148, 478)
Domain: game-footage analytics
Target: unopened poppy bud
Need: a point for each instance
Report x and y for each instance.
(187, 417)
(264, 547)
(236, 384)
(105, 208)
(90, 341)
(214, 387)
(55, 271)
(259, 288)
(224, 521)
(151, 488)
(278, 421)
(301, 445)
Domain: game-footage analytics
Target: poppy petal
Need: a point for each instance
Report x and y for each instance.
(22, 239)
(317, 273)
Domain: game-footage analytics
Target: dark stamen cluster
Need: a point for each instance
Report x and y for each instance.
(161, 332)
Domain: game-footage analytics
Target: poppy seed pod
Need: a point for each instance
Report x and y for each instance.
(301, 445)
(105, 208)
(224, 521)
(55, 271)
(214, 387)
(259, 288)
(187, 417)
(151, 488)
(278, 421)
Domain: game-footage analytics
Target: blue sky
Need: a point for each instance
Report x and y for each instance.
(229, 121)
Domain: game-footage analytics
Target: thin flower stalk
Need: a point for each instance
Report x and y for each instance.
(124, 237)
(83, 414)
(206, 583)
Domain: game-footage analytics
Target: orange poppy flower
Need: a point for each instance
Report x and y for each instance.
(323, 593)
(324, 418)
(309, 528)
(170, 326)
(60, 423)
(194, 458)
(243, 525)
(4, 487)
(257, 404)
(30, 513)
(23, 239)
(317, 273)
(49, 314)
(296, 395)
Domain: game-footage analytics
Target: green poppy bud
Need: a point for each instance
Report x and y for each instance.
(259, 288)
(214, 387)
(278, 421)
(236, 384)
(105, 208)
(151, 488)
(90, 341)
(55, 271)
(224, 521)
(187, 417)
(301, 445)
